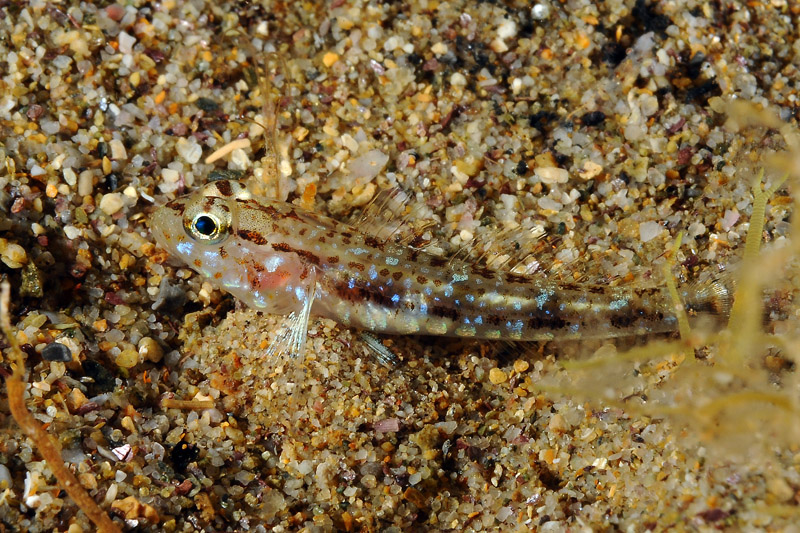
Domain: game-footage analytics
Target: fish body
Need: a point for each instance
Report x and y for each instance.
(282, 259)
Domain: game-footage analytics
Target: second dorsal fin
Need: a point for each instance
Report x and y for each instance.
(392, 217)
(503, 250)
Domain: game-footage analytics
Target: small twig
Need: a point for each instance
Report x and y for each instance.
(171, 403)
(15, 386)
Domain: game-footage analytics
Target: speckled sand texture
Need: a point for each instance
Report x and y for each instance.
(608, 125)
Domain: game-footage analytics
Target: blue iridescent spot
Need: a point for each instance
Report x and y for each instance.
(541, 299)
(396, 298)
(616, 305)
(392, 261)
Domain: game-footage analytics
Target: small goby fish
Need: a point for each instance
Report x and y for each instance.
(279, 258)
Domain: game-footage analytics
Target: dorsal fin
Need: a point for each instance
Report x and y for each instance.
(391, 216)
(511, 249)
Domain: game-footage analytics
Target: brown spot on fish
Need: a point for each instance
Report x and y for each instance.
(517, 278)
(356, 266)
(594, 289)
(252, 236)
(303, 231)
(217, 275)
(179, 206)
(346, 234)
(198, 263)
(438, 262)
(397, 275)
(422, 280)
(373, 242)
(224, 188)
(384, 272)
(541, 320)
(483, 272)
(360, 293)
(223, 253)
(333, 259)
(308, 256)
(646, 291)
(444, 312)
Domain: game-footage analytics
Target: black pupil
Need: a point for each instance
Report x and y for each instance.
(205, 226)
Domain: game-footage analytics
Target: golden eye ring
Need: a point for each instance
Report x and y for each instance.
(206, 227)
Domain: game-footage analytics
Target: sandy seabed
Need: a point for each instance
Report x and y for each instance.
(606, 124)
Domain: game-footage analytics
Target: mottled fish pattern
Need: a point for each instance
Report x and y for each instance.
(279, 258)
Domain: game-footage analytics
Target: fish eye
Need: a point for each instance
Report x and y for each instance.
(207, 220)
(207, 227)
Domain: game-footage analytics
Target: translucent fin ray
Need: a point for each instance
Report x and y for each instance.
(292, 337)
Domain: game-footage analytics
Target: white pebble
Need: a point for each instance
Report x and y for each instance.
(126, 42)
(439, 49)
(368, 165)
(696, 229)
(86, 183)
(649, 230)
(118, 150)
(648, 104)
(49, 127)
(506, 29)
(540, 11)
(551, 174)
(504, 513)
(131, 192)
(729, 219)
(239, 160)
(392, 43)
(111, 203)
(458, 79)
(70, 177)
(498, 45)
(170, 175)
(549, 204)
(14, 255)
(305, 467)
(189, 150)
(37, 171)
(5, 477)
(72, 232)
(350, 143)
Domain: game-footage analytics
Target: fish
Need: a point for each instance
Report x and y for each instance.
(281, 259)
